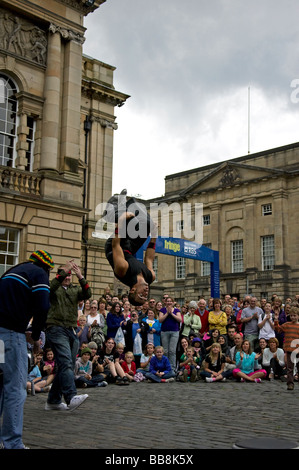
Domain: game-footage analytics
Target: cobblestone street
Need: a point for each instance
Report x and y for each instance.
(173, 416)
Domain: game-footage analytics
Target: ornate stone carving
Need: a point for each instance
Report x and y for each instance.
(83, 5)
(22, 38)
(108, 124)
(229, 176)
(67, 33)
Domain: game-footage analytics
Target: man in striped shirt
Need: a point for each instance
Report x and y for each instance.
(24, 294)
(291, 341)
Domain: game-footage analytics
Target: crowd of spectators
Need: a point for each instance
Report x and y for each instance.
(205, 340)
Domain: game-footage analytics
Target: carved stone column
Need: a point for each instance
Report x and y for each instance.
(250, 253)
(280, 227)
(71, 99)
(107, 162)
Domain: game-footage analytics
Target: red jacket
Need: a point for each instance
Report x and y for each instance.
(126, 368)
(204, 321)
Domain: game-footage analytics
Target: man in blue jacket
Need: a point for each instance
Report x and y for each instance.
(24, 294)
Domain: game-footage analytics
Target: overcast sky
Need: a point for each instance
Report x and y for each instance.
(187, 66)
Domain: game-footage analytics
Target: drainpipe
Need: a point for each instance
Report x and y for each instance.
(87, 128)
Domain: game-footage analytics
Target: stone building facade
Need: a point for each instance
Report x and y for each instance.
(249, 216)
(56, 136)
(57, 120)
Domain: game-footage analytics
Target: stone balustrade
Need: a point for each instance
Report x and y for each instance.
(19, 181)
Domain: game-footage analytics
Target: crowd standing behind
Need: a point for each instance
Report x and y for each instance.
(206, 340)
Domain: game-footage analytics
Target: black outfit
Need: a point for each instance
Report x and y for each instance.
(130, 246)
(129, 336)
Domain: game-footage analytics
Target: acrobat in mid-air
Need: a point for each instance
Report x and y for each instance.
(133, 227)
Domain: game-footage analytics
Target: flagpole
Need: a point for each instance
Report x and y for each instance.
(249, 119)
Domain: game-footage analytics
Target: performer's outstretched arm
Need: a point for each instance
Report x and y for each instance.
(150, 256)
(120, 264)
(119, 261)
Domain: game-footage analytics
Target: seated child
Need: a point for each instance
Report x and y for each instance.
(214, 365)
(120, 349)
(97, 373)
(49, 365)
(129, 366)
(146, 358)
(35, 381)
(188, 367)
(83, 330)
(83, 371)
(199, 352)
(160, 368)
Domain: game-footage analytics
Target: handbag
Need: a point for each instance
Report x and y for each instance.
(97, 336)
(137, 346)
(138, 377)
(119, 337)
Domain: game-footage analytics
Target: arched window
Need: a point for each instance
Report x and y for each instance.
(8, 120)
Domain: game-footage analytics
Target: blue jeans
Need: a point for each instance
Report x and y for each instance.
(13, 388)
(93, 382)
(156, 378)
(65, 345)
(225, 374)
(169, 340)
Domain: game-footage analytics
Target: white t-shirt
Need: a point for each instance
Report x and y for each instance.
(99, 318)
(266, 331)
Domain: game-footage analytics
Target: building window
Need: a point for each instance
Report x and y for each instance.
(9, 248)
(268, 253)
(266, 209)
(206, 265)
(8, 121)
(30, 141)
(237, 256)
(206, 219)
(180, 267)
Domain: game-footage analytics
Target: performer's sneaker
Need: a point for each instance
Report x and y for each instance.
(55, 406)
(76, 401)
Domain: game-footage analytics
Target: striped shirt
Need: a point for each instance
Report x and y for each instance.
(291, 333)
(24, 293)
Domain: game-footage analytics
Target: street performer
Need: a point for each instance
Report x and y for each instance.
(133, 227)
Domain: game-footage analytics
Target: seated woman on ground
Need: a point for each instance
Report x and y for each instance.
(210, 338)
(262, 345)
(273, 361)
(246, 365)
(231, 357)
(109, 358)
